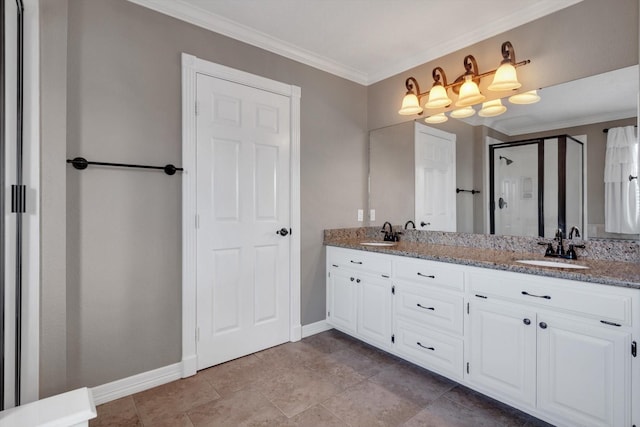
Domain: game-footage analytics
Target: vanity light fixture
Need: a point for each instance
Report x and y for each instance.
(436, 118)
(438, 97)
(530, 97)
(492, 108)
(463, 113)
(465, 86)
(506, 77)
(411, 102)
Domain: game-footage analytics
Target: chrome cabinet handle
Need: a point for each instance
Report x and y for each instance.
(536, 296)
(427, 348)
(426, 308)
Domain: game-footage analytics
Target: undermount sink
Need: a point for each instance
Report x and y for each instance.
(379, 244)
(554, 264)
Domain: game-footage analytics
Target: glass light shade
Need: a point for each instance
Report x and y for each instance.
(410, 105)
(436, 118)
(505, 78)
(438, 97)
(530, 97)
(463, 113)
(492, 108)
(469, 93)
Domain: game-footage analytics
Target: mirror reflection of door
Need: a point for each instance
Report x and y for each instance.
(435, 179)
(515, 188)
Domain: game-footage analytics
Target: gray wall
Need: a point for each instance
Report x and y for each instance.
(122, 312)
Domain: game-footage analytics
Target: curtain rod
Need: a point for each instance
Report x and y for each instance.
(606, 130)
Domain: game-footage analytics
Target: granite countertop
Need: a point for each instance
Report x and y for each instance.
(615, 273)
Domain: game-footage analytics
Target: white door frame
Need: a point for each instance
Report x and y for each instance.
(191, 66)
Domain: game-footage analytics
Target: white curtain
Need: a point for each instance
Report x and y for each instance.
(621, 194)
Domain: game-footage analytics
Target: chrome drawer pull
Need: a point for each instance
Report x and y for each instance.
(426, 308)
(536, 296)
(424, 275)
(428, 348)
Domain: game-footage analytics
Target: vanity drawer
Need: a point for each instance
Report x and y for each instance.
(359, 260)
(430, 349)
(574, 297)
(440, 310)
(430, 273)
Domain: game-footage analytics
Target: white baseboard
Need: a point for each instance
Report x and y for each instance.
(315, 328)
(136, 383)
(146, 380)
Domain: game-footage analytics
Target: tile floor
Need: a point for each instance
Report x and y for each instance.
(328, 379)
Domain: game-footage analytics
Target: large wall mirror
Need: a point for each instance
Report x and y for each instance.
(577, 112)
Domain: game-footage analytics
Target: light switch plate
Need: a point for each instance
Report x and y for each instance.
(360, 215)
(372, 214)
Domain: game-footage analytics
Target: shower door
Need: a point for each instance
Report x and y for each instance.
(514, 192)
(536, 186)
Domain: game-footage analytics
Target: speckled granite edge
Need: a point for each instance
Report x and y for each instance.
(598, 249)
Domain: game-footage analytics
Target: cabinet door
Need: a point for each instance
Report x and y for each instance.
(342, 300)
(584, 371)
(503, 350)
(374, 309)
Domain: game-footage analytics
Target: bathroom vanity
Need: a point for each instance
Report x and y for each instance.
(550, 342)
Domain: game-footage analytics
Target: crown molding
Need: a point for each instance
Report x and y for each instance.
(202, 18)
(187, 12)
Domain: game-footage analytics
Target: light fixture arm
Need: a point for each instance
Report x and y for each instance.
(437, 74)
(508, 53)
(410, 83)
(470, 66)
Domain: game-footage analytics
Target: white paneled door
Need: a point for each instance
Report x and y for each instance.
(243, 240)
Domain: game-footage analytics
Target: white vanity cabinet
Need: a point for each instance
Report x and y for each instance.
(428, 305)
(561, 350)
(359, 295)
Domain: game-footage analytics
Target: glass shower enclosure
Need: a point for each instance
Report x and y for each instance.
(536, 186)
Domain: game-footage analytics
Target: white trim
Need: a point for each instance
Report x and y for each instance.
(136, 383)
(30, 363)
(195, 15)
(191, 66)
(315, 328)
(31, 282)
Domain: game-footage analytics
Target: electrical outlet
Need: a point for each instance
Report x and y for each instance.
(372, 214)
(360, 215)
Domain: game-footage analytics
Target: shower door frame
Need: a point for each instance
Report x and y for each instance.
(562, 175)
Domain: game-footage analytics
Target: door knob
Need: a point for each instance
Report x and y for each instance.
(283, 231)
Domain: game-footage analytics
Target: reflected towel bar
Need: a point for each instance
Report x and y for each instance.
(460, 190)
(81, 163)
